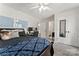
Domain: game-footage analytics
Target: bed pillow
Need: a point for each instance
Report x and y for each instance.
(5, 37)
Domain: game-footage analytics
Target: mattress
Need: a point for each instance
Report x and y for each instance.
(24, 46)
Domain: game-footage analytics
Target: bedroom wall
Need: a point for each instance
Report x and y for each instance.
(47, 26)
(72, 26)
(16, 14)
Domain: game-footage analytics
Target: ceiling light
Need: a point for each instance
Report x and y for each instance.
(41, 7)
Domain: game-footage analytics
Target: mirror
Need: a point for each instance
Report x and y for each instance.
(62, 31)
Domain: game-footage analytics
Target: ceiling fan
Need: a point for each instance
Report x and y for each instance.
(41, 7)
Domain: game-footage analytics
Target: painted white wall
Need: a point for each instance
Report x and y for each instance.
(42, 29)
(51, 24)
(72, 25)
(50, 29)
(47, 26)
(16, 14)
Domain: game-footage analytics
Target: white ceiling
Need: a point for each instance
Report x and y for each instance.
(55, 7)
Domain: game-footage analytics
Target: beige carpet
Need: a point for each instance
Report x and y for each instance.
(61, 49)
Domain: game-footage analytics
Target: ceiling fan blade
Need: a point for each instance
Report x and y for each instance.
(35, 7)
(46, 4)
(48, 8)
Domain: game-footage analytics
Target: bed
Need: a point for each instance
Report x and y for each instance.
(24, 46)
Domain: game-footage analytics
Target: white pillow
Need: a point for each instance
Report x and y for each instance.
(5, 37)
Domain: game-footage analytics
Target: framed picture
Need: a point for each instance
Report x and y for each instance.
(62, 31)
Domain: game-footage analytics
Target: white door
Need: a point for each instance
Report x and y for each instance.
(51, 27)
(42, 29)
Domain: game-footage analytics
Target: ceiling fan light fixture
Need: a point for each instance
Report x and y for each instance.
(41, 7)
(40, 10)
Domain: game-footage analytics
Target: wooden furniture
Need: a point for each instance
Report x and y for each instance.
(2, 28)
(5, 33)
(48, 51)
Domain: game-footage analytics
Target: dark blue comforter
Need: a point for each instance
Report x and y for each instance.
(24, 46)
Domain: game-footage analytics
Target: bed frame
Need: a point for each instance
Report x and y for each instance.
(48, 51)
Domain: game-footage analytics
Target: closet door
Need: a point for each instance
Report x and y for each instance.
(42, 29)
(51, 27)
